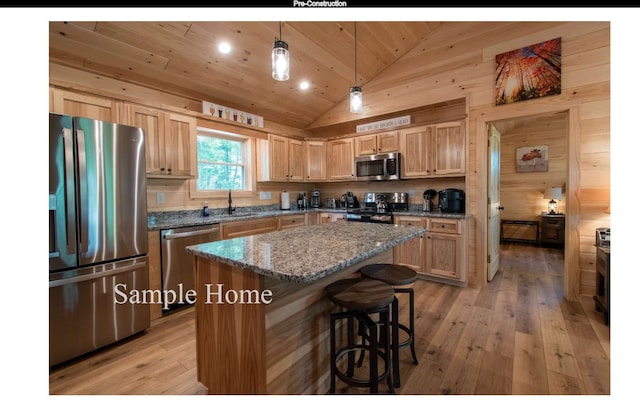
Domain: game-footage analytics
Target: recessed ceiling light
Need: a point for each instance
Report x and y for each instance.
(304, 85)
(224, 48)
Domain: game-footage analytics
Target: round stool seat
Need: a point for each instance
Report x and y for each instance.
(393, 274)
(360, 294)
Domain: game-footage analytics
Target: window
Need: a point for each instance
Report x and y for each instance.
(224, 162)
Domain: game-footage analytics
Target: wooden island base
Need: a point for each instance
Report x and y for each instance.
(277, 348)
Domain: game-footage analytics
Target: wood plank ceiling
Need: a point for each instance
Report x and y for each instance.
(182, 58)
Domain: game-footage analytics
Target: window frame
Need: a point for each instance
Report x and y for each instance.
(249, 154)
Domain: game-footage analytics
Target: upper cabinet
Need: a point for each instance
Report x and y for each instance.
(170, 142)
(340, 159)
(316, 161)
(385, 142)
(281, 159)
(433, 150)
(80, 105)
(449, 147)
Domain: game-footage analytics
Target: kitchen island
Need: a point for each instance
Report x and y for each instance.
(262, 317)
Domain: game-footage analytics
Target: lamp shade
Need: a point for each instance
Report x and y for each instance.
(280, 61)
(355, 99)
(554, 193)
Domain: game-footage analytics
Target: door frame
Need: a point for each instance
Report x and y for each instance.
(572, 218)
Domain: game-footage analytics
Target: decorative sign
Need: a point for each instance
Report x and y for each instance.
(219, 111)
(384, 124)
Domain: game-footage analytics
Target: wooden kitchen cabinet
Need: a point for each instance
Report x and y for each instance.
(440, 254)
(385, 142)
(433, 150)
(281, 159)
(230, 230)
(340, 159)
(329, 217)
(291, 221)
(411, 253)
(315, 161)
(170, 142)
(445, 249)
(81, 105)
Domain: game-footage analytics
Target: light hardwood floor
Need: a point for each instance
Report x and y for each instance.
(517, 335)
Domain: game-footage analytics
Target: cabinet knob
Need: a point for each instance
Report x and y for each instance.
(500, 208)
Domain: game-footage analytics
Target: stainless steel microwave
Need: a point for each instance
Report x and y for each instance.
(378, 167)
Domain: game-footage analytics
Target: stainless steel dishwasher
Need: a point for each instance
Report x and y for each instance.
(178, 266)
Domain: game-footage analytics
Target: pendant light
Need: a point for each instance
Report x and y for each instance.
(355, 93)
(280, 58)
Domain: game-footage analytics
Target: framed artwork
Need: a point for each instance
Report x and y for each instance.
(532, 159)
(528, 73)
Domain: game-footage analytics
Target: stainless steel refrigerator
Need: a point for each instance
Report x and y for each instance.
(97, 235)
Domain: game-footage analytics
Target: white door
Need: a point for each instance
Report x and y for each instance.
(493, 203)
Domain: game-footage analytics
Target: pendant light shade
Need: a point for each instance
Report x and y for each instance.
(355, 99)
(355, 93)
(280, 59)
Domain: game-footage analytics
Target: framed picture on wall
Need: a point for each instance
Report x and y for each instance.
(528, 73)
(532, 159)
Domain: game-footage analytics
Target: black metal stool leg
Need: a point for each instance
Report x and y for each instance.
(412, 327)
(395, 340)
(332, 388)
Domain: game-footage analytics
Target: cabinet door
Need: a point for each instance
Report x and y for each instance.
(341, 159)
(415, 147)
(449, 143)
(80, 105)
(388, 142)
(152, 121)
(444, 255)
(180, 145)
(411, 253)
(366, 145)
(296, 159)
(316, 169)
(278, 158)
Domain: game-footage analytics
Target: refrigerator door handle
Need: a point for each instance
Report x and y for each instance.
(83, 206)
(69, 191)
(97, 275)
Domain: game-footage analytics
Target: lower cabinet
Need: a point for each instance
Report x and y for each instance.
(230, 230)
(292, 221)
(440, 254)
(328, 217)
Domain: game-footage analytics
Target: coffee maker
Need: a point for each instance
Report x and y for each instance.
(315, 199)
(302, 200)
(428, 200)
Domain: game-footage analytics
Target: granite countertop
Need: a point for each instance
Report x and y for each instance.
(177, 219)
(307, 253)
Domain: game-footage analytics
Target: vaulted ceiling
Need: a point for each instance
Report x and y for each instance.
(182, 58)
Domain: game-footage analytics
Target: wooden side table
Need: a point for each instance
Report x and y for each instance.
(552, 230)
(603, 286)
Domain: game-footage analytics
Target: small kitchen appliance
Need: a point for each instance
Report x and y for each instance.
(451, 200)
(379, 207)
(315, 199)
(302, 200)
(428, 200)
(352, 200)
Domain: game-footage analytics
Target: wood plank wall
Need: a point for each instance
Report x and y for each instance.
(459, 61)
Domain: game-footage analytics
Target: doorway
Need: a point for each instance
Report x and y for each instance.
(515, 195)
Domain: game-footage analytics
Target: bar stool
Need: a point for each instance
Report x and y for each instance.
(360, 299)
(397, 275)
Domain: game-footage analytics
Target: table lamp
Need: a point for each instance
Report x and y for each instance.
(554, 193)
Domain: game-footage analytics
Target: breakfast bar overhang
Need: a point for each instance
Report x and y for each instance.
(262, 317)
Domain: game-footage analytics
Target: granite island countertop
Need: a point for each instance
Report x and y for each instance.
(307, 253)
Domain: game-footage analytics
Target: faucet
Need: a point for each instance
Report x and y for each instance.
(230, 209)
